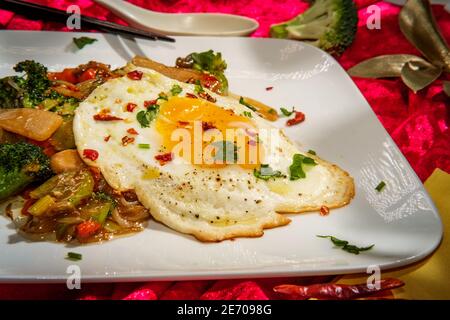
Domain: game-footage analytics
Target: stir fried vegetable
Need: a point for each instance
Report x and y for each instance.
(20, 165)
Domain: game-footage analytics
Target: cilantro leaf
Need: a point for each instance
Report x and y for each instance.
(146, 117)
(286, 112)
(176, 90)
(83, 41)
(344, 245)
(296, 170)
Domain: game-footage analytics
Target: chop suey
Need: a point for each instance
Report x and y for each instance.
(92, 153)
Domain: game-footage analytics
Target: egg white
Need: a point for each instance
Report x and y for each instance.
(211, 204)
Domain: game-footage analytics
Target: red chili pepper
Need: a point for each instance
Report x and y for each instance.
(208, 80)
(332, 291)
(149, 103)
(132, 131)
(135, 75)
(299, 117)
(87, 75)
(90, 154)
(87, 228)
(27, 206)
(106, 117)
(68, 75)
(164, 158)
(131, 106)
(127, 140)
(269, 88)
(324, 210)
(106, 139)
(190, 95)
(207, 125)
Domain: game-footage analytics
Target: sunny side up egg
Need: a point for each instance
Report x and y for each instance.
(210, 193)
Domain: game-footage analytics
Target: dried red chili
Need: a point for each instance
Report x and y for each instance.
(164, 158)
(298, 118)
(190, 95)
(132, 131)
(135, 75)
(127, 140)
(90, 154)
(333, 291)
(106, 117)
(131, 106)
(324, 210)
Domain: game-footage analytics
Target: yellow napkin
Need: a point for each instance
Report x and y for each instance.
(428, 279)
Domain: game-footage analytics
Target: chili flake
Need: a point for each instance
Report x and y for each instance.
(131, 106)
(135, 75)
(298, 118)
(127, 140)
(164, 158)
(132, 131)
(90, 154)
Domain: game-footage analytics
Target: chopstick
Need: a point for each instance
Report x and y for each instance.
(40, 12)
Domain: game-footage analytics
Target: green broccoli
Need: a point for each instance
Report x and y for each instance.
(24, 91)
(20, 165)
(207, 61)
(327, 24)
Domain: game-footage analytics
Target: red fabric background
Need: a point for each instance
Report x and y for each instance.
(419, 124)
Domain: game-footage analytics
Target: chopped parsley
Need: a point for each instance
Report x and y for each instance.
(380, 186)
(286, 112)
(146, 117)
(266, 172)
(244, 103)
(74, 256)
(83, 41)
(176, 90)
(247, 114)
(144, 146)
(344, 245)
(296, 170)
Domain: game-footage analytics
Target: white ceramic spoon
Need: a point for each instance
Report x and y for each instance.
(193, 24)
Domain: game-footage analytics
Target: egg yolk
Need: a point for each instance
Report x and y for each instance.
(208, 135)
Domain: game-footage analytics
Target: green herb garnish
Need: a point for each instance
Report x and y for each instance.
(266, 172)
(146, 117)
(83, 41)
(144, 146)
(176, 90)
(344, 245)
(247, 114)
(380, 186)
(286, 112)
(163, 96)
(244, 103)
(198, 87)
(74, 256)
(312, 152)
(296, 170)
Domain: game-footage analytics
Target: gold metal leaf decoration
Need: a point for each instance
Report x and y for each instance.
(417, 23)
(419, 74)
(446, 86)
(383, 66)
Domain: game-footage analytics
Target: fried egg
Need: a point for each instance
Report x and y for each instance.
(149, 143)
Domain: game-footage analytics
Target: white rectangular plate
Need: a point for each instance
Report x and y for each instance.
(340, 126)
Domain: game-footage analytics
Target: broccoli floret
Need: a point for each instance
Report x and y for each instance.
(56, 102)
(24, 91)
(327, 24)
(20, 165)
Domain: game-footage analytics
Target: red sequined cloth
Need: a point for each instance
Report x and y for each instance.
(419, 124)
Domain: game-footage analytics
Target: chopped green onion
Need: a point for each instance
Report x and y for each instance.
(380, 186)
(144, 146)
(176, 90)
(74, 256)
(286, 112)
(247, 114)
